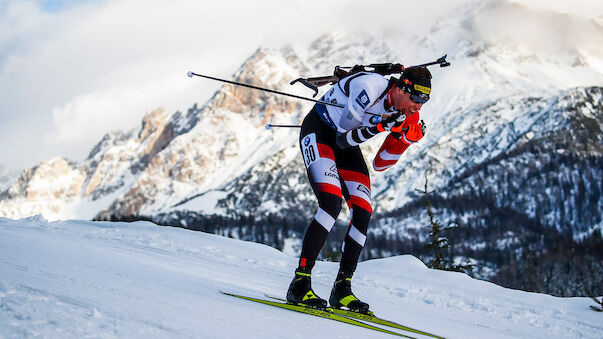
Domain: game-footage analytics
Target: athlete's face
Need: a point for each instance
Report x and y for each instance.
(402, 102)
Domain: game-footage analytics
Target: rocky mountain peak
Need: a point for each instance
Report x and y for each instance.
(45, 188)
(154, 121)
(266, 68)
(179, 156)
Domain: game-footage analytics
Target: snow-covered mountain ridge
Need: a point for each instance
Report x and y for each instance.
(171, 156)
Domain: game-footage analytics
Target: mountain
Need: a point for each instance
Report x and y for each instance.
(79, 279)
(170, 157)
(512, 151)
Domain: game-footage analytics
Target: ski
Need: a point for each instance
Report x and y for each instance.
(327, 314)
(372, 318)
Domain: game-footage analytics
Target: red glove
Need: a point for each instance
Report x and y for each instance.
(393, 122)
(412, 133)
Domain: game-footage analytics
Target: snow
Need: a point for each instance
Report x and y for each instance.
(73, 279)
(292, 246)
(204, 203)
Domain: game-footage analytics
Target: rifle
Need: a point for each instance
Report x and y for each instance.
(341, 72)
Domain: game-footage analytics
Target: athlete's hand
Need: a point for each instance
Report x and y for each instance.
(414, 132)
(393, 122)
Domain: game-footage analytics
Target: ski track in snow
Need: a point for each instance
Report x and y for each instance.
(73, 279)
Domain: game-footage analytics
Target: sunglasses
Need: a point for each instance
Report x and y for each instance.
(419, 98)
(416, 97)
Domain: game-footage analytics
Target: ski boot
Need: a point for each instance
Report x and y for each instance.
(300, 291)
(342, 296)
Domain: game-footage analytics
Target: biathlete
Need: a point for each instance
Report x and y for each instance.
(329, 142)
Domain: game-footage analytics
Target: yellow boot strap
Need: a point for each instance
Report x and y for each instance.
(347, 300)
(309, 295)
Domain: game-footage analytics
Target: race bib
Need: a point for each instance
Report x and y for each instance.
(309, 149)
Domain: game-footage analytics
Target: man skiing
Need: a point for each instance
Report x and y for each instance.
(336, 168)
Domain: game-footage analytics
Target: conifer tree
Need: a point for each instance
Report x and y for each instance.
(439, 243)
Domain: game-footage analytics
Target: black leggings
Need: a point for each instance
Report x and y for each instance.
(334, 173)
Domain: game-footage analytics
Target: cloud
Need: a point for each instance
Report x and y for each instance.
(103, 109)
(71, 71)
(544, 30)
(589, 9)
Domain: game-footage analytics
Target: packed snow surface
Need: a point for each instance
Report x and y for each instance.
(74, 279)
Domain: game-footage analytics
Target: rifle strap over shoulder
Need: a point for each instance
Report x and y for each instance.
(346, 85)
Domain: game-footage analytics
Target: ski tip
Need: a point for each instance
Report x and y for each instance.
(190, 74)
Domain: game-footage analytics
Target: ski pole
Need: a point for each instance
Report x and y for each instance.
(269, 126)
(191, 74)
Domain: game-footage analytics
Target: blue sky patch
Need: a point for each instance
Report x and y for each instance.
(59, 5)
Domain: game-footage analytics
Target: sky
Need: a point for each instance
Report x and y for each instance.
(71, 71)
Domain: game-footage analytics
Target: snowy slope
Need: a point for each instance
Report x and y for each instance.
(73, 279)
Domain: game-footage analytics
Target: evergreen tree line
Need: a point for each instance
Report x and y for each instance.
(566, 267)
